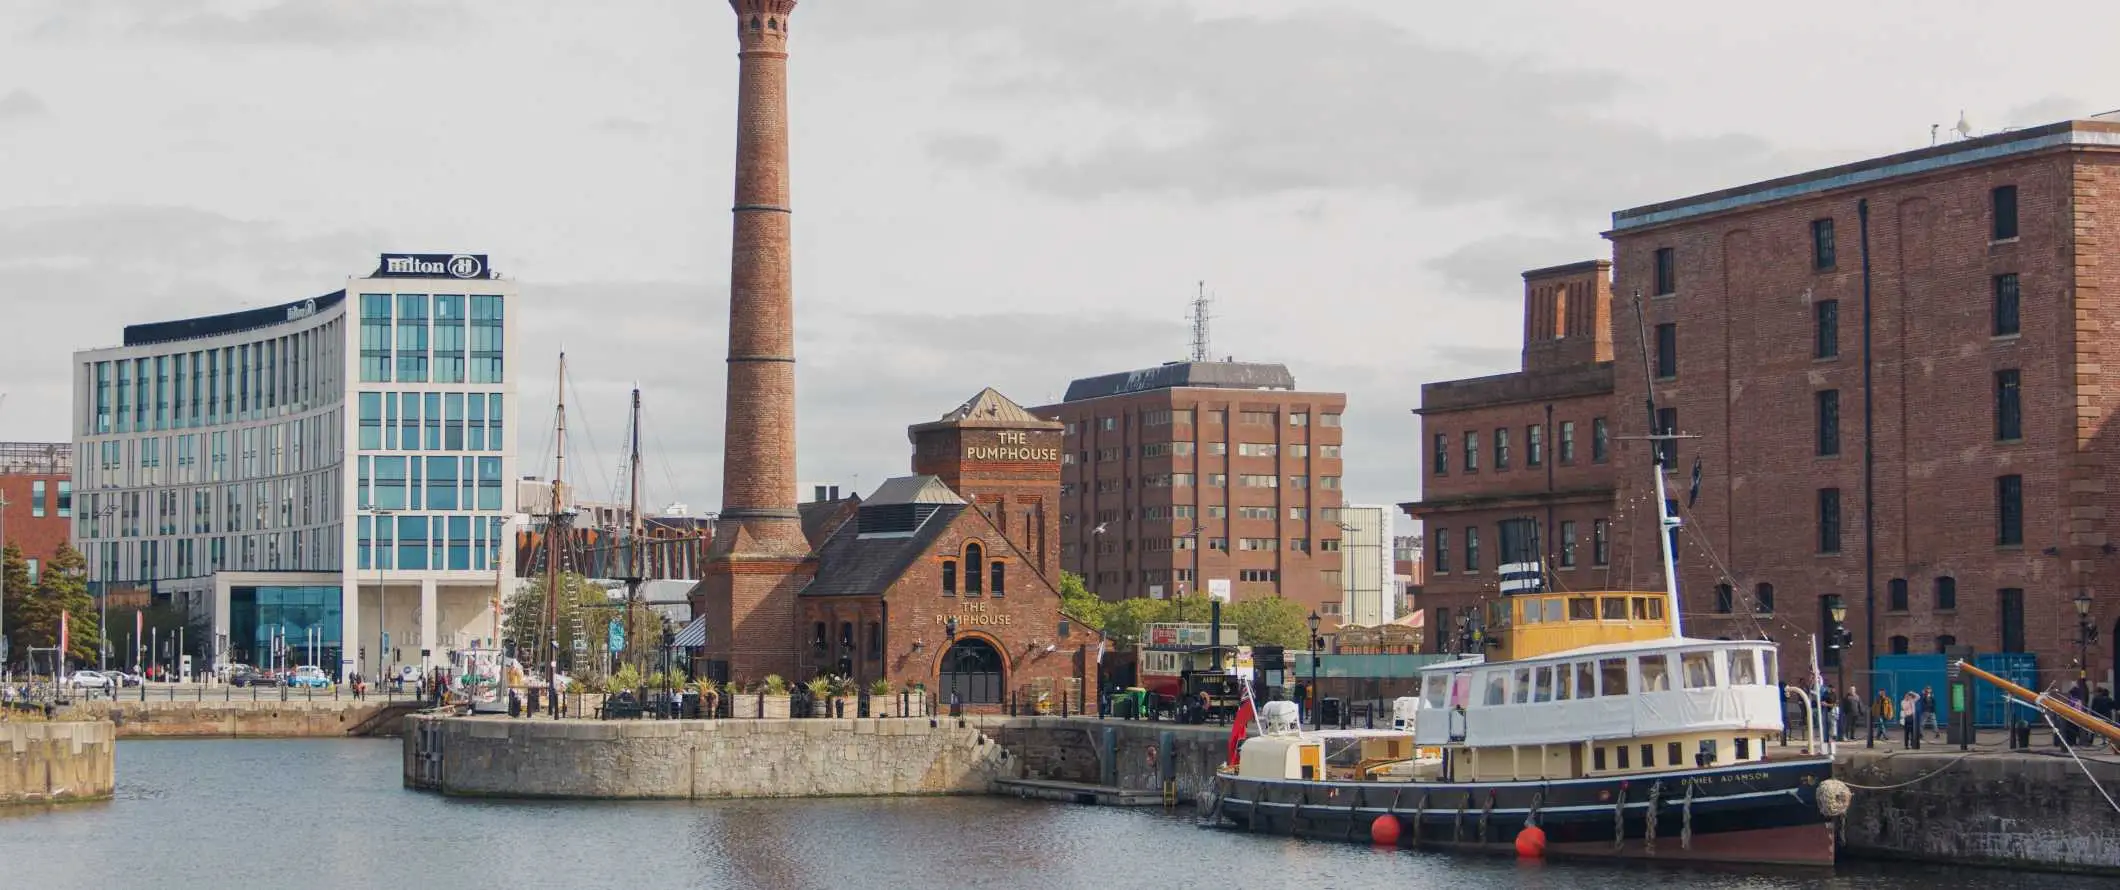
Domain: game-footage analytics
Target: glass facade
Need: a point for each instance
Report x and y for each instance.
(259, 616)
(432, 338)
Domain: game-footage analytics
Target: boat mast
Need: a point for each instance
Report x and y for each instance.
(554, 530)
(1665, 522)
(636, 560)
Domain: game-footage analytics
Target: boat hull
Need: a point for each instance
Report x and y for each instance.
(1754, 813)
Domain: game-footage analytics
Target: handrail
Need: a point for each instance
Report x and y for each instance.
(2048, 702)
(1811, 719)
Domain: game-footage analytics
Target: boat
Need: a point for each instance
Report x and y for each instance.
(1598, 729)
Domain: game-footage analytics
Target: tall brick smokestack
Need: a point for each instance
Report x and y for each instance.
(760, 558)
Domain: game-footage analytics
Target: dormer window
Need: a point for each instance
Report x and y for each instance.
(974, 562)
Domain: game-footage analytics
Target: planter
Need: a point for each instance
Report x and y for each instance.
(773, 707)
(915, 704)
(883, 705)
(846, 706)
(820, 707)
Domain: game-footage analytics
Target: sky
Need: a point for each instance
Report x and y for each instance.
(1006, 193)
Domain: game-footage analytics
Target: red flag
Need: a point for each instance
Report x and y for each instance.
(1240, 726)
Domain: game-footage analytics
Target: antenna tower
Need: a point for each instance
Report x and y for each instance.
(1200, 318)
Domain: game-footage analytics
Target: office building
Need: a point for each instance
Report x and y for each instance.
(322, 481)
(1367, 576)
(1201, 476)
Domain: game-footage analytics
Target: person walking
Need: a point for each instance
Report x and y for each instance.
(1881, 715)
(1910, 719)
(1928, 710)
(1850, 714)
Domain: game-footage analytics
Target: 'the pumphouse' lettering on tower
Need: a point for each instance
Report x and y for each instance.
(1009, 446)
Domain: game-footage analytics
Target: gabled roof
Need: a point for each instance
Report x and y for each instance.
(913, 490)
(850, 564)
(821, 518)
(988, 410)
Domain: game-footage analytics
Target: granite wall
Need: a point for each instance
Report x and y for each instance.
(1075, 750)
(57, 761)
(698, 759)
(294, 718)
(1988, 809)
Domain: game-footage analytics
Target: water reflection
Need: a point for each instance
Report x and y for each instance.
(324, 815)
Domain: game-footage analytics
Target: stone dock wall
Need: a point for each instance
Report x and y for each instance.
(701, 759)
(2015, 810)
(265, 718)
(58, 761)
(1141, 754)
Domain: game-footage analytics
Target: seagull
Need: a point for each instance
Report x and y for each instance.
(1100, 529)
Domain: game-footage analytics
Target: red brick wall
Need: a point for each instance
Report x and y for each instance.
(39, 537)
(1021, 623)
(1747, 377)
(1020, 495)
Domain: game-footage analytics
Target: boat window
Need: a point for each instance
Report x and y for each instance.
(1543, 686)
(1620, 753)
(1649, 756)
(1497, 687)
(1585, 679)
(1582, 608)
(1563, 677)
(1744, 669)
(1641, 608)
(1700, 669)
(1612, 674)
(1497, 614)
(1656, 673)
(1615, 608)
(1553, 610)
(1597, 759)
(1770, 669)
(1523, 685)
(1434, 688)
(1744, 748)
(1530, 611)
(1672, 753)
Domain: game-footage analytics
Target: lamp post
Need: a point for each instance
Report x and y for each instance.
(1837, 639)
(103, 602)
(1316, 644)
(2086, 634)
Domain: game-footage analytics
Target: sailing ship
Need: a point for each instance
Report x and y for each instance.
(1599, 729)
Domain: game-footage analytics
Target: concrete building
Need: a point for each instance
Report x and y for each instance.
(1408, 555)
(1368, 578)
(308, 470)
(1518, 467)
(1192, 476)
(36, 499)
(1898, 372)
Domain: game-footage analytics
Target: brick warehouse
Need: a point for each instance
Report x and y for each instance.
(1199, 472)
(1987, 279)
(1519, 465)
(948, 578)
(37, 498)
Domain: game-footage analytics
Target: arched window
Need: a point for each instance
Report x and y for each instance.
(755, 23)
(1946, 593)
(999, 585)
(772, 24)
(1724, 599)
(1898, 588)
(1763, 598)
(1945, 641)
(1899, 645)
(974, 564)
(949, 577)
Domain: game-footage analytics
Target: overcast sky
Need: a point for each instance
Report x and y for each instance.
(988, 192)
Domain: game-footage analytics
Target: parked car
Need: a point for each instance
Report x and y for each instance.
(309, 676)
(248, 676)
(123, 678)
(89, 680)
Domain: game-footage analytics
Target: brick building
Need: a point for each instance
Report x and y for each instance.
(1975, 276)
(37, 488)
(1518, 466)
(1177, 477)
(948, 578)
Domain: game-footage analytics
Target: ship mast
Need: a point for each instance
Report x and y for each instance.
(554, 531)
(636, 559)
(1665, 522)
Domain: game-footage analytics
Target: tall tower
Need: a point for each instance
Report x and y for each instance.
(1005, 461)
(759, 559)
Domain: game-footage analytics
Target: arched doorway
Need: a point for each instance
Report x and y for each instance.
(972, 668)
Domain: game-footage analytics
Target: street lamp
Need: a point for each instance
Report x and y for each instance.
(1316, 644)
(103, 603)
(2086, 634)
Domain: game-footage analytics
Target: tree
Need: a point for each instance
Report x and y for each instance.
(62, 588)
(16, 572)
(1269, 621)
(1079, 603)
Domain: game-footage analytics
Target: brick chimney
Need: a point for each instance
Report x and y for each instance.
(1568, 315)
(759, 559)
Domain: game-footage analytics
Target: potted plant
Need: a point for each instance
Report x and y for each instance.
(915, 700)
(774, 703)
(709, 697)
(820, 689)
(883, 700)
(846, 697)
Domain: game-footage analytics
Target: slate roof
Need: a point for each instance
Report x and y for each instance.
(913, 490)
(989, 410)
(851, 565)
(821, 518)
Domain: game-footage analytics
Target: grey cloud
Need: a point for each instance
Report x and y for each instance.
(22, 105)
(1225, 110)
(319, 23)
(971, 150)
(625, 126)
(1493, 266)
(2044, 110)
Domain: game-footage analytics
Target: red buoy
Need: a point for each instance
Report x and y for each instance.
(1531, 843)
(1384, 832)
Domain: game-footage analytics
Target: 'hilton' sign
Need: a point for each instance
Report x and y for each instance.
(432, 265)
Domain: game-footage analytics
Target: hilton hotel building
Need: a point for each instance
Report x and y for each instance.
(330, 472)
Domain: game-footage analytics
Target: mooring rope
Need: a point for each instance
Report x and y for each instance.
(1486, 814)
(1685, 825)
(1619, 819)
(1656, 792)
